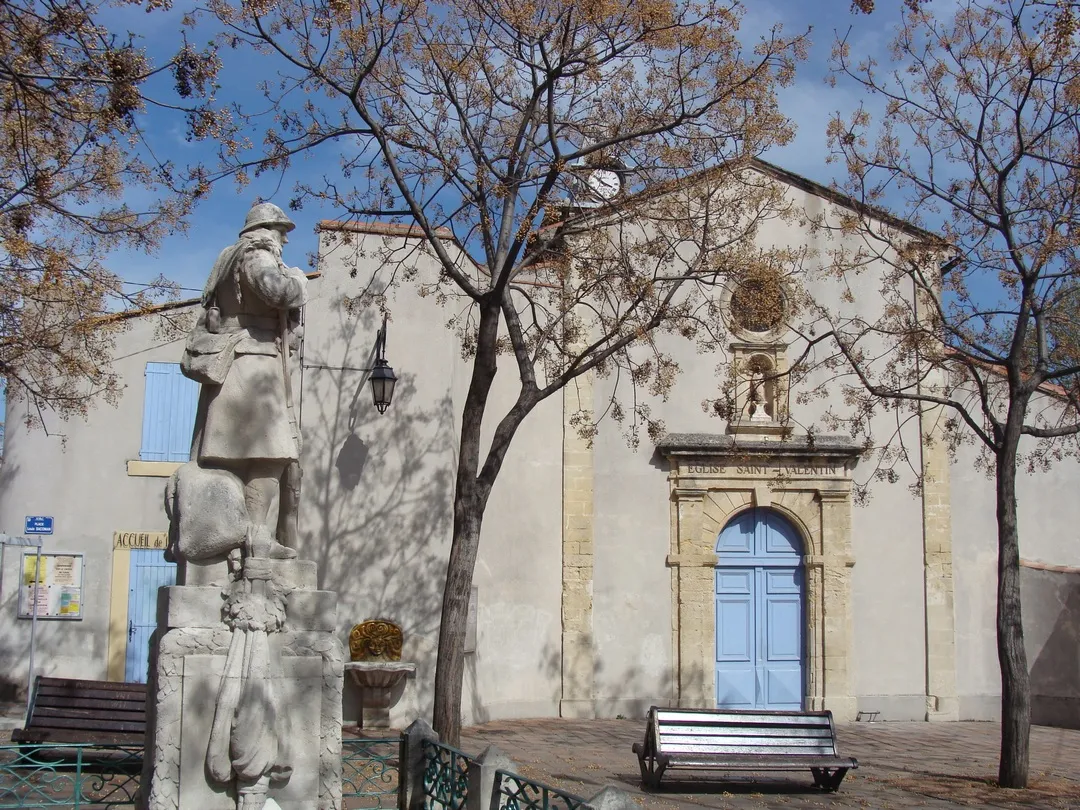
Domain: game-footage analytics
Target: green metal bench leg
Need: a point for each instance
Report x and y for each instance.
(837, 778)
(828, 778)
(658, 771)
(645, 768)
(651, 771)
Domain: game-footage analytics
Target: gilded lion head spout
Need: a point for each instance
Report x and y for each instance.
(375, 640)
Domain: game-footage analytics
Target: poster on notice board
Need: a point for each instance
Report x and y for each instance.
(57, 586)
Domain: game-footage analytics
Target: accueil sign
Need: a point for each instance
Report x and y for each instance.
(140, 540)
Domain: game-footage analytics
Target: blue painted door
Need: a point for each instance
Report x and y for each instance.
(149, 571)
(759, 613)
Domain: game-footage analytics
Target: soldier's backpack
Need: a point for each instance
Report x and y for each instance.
(208, 355)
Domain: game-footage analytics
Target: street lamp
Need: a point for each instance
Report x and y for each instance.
(382, 375)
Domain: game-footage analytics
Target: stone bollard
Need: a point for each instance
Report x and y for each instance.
(411, 764)
(611, 798)
(481, 794)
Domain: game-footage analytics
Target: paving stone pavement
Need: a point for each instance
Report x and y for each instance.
(901, 765)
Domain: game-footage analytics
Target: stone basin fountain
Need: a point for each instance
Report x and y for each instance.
(377, 668)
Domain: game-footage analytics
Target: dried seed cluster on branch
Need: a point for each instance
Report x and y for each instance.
(71, 147)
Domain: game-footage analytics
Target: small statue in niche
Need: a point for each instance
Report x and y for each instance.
(761, 394)
(758, 408)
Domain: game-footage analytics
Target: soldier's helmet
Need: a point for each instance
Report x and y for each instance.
(266, 215)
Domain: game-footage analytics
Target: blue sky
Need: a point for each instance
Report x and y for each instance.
(186, 259)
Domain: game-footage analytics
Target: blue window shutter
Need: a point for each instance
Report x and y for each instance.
(168, 413)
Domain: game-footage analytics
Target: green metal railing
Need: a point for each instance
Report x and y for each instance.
(69, 775)
(518, 793)
(370, 771)
(86, 776)
(446, 776)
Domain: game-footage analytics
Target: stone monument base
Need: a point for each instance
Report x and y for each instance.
(187, 662)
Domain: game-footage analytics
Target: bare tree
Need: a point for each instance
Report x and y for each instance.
(71, 95)
(483, 119)
(978, 140)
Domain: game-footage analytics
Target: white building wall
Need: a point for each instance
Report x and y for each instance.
(383, 544)
(1047, 512)
(632, 588)
(632, 609)
(377, 500)
(76, 471)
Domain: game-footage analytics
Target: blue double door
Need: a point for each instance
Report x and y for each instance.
(760, 654)
(148, 572)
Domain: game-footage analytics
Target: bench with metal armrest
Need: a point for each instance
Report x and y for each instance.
(739, 740)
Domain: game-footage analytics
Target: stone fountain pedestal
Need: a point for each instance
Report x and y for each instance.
(187, 662)
(377, 668)
(377, 681)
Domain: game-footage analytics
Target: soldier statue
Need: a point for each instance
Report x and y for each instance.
(236, 499)
(240, 351)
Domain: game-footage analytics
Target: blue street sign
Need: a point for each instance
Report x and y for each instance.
(38, 524)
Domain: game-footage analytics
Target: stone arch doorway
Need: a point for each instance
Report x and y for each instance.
(713, 480)
(760, 613)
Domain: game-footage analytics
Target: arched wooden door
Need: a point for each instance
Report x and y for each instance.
(760, 656)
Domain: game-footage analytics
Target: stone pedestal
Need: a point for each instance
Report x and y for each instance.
(188, 659)
(378, 681)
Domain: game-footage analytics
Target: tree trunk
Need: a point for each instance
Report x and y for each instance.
(469, 505)
(470, 501)
(1015, 681)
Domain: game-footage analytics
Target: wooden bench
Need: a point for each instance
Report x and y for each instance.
(66, 710)
(737, 740)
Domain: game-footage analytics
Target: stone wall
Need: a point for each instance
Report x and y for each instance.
(1051, 608)
(1046, 509)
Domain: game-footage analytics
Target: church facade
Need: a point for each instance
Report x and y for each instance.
(727, 563)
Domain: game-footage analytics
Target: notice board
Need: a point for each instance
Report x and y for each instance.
(58, 586)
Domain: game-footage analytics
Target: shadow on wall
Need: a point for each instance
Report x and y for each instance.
(638, 687)
(641, 686)
(1051, 611)
(376, 500)
(475, 707)
(376, 516)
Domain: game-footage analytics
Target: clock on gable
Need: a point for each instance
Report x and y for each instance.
(605, 184)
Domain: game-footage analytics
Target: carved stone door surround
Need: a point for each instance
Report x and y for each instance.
(714, 477)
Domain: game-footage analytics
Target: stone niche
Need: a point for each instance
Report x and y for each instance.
(712, 479)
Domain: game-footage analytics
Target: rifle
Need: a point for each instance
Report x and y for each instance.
(289, 500)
